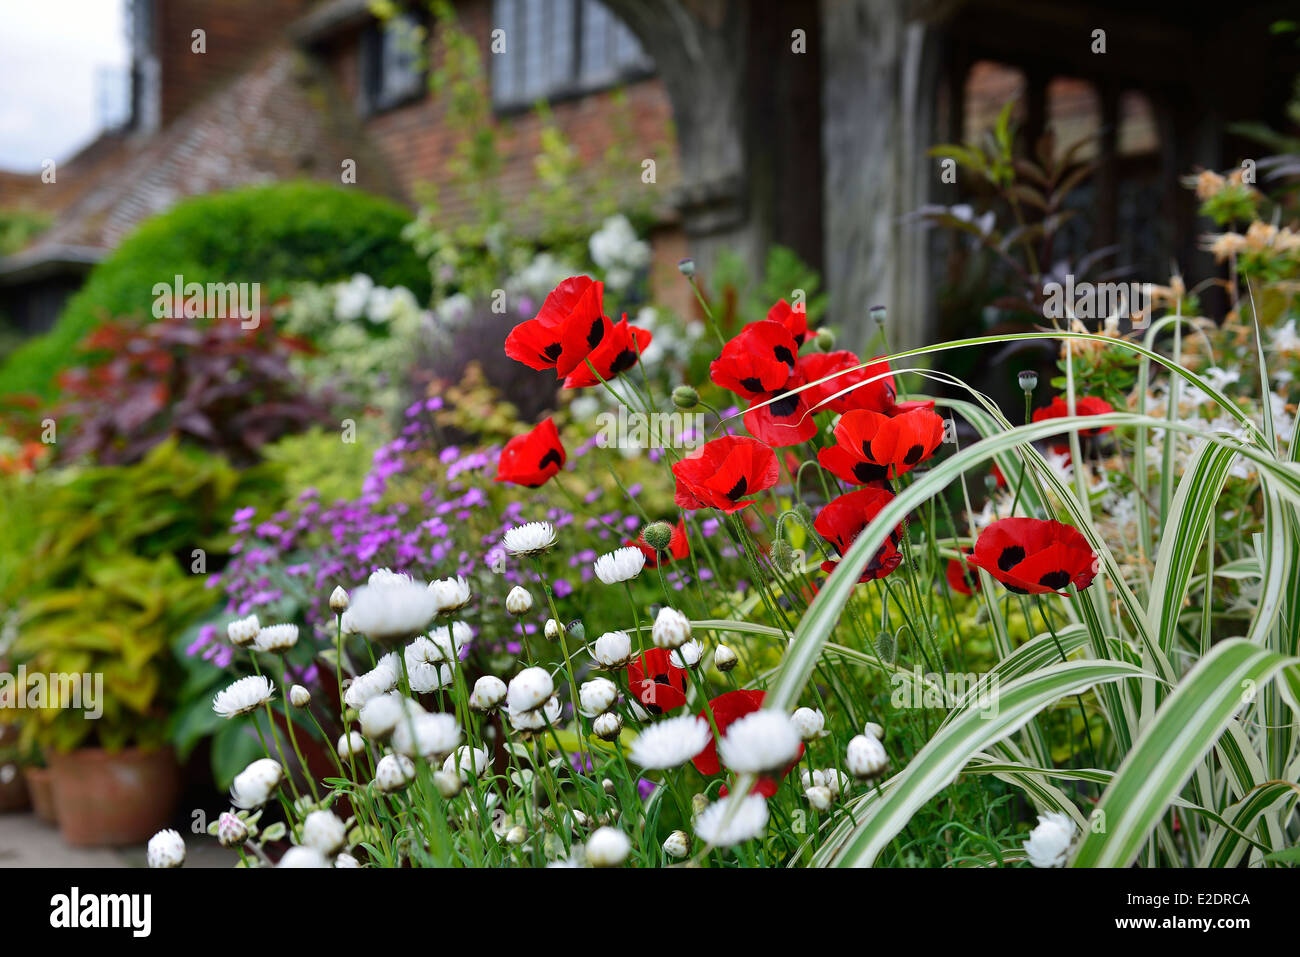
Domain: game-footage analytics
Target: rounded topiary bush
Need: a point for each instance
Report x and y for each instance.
(275, 235)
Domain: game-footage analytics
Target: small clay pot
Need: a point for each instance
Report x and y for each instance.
(114, 797)
(40, 786)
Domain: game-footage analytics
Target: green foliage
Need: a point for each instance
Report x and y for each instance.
(18, 227)
(101, 570)
(274, 235)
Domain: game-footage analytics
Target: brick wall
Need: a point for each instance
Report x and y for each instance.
(236, 31)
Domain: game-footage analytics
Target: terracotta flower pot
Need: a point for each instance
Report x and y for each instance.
(41, 788)
(122, 797)
(13, 790)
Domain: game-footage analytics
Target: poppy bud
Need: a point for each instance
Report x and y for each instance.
(991, 483)
(825, 340)
(686, 267)
(886, 647)
(782, 555)
(685, 398)
(1028, 381)
(877, 313)
(724, 659)
(658, 535)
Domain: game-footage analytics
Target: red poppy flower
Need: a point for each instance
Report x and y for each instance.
(678, 547)
(723, 472)
(962, 580)
(1083, 405)
(567, 329)
(786, 421)
(656, 683)
(795, 319)
(876, 396)
(727, 708)
(842, 519)
(618, 351)
(870, 447)
(1033, 556)
(532, 458)
(758, 362)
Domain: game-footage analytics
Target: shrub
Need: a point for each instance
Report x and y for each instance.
(275, 235)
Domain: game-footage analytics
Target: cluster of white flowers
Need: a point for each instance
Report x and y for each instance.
(616, 249)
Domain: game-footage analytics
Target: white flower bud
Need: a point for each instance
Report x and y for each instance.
(608, 726)
(338, 600)
(820, 798)
(724, 659)
(529, 689)
(448, 783)
(607, 847)
(687, 656)
(350, 744)
(324, 831)
(677, 844)
(866, 757)
(519, 601)
(394, 772)
(671, 629)
(231, 831)
(516, 835)
(166, 849)
(489, 691)
(553, 630)
(299, 696)
(809, 722)
(597, 696)
(875, 730)
(613, 649)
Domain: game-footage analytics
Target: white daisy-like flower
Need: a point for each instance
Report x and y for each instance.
(245, 695)
(380, 679)
(597, 696)
(324, 831)
(687, 656)
(166, 849)
(468, 762)
(394, 772)
(489, 691)
(254, 785)
(350, 744)
(391, 607)
(722, 826)
(303, 857)
(242, 632)
(607, 847)
(435, 736)
(536, 719)
(450, 640)
(276, 639)
(1049, 842)
(670, 743)
(866, 757)
(759, 742)
(724, 659)
(530, 689)
(533, 538)
(346, 860)
(810, 723)
(425, 678)
(450, 594)
(608, 726)
(612, 649)
(381, 714)
(671, 629)
(620, 565)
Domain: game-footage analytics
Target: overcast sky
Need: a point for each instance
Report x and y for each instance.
(51, 52)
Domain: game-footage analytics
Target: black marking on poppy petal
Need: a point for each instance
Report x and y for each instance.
(866, 449)
(752, 384)
(784, 355)
(785, 407)
(552, 352)
(1015, 588)
(552, 457)
(622, 362)
(866, 472)
(914, 454)
(596, 334)
(663, 679)
(738, 489)
(1055, 580)
(1011, 556)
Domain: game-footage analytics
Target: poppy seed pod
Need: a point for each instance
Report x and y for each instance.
(1028, 380)
(686, 267)
(576, 629)
(658, 535)
(878, 314)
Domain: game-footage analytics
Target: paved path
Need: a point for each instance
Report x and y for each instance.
(26, 841)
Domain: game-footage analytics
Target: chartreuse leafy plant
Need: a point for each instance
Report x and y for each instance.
(104, 565)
